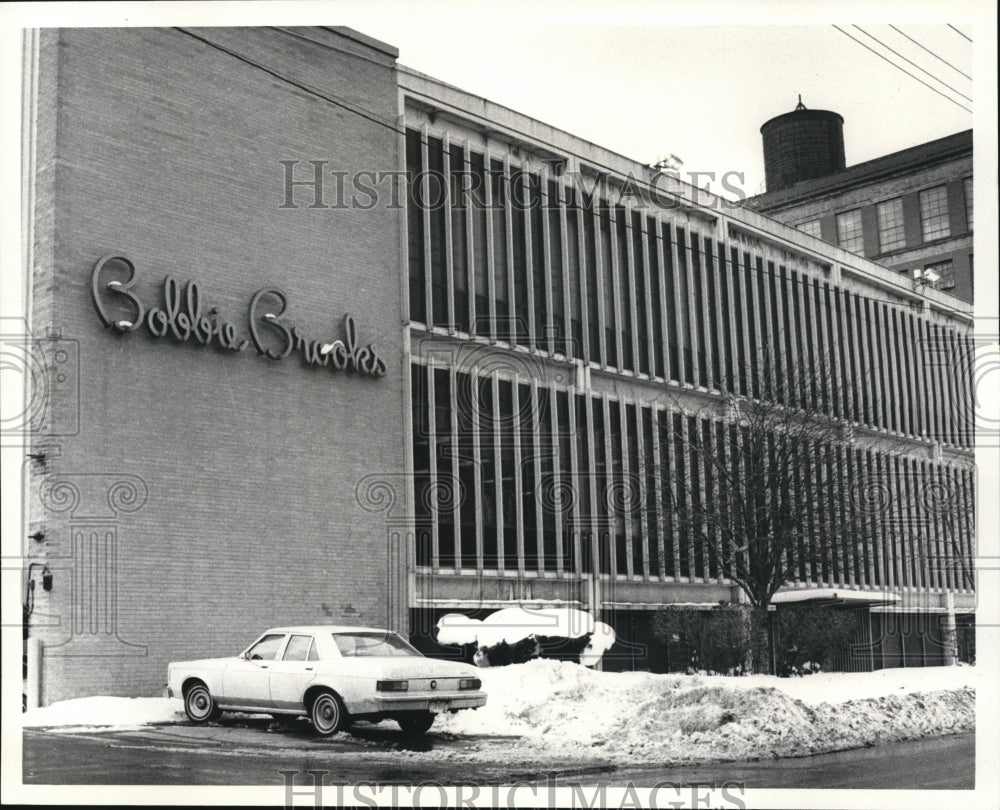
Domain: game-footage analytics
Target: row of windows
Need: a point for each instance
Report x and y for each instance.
(496, 252)
(935, 222)
(510, 475)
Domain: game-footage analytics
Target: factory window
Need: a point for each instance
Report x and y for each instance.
(811, 227)
(968, 202)
(890, 225)
(946, 274)
(849, 231)
(934, 213)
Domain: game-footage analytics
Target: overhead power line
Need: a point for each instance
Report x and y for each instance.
(910, 61)
(899, 67)
(940, 58)
(953, 28)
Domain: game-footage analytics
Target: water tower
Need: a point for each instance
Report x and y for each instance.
(802, 145)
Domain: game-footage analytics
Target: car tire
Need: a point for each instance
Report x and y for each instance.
(199, 705)
(416, 723)
(328, 714)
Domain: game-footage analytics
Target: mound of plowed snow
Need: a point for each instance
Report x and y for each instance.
(562, 710)
(549, 710)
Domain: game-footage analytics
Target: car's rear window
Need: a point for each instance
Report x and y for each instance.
(372, 645)
(299, 648)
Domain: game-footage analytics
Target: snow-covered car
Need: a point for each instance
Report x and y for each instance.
(332, 675)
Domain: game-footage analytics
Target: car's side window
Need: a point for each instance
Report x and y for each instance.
(313, 653)
(267, 648)
(298, 648)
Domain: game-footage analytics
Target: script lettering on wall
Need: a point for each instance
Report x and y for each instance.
(184, 316)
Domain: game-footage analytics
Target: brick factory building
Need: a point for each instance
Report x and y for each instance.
(298, 379)
(911, 210)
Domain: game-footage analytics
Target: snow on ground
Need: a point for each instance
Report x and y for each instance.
(838, 687)
(84, 714)
(565, 711)
(547, 710)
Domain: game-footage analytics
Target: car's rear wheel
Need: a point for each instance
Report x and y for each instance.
(199, 705)
(415, 722)
(328, 714)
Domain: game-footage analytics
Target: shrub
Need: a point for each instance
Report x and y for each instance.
(717, 639)
(812, 635)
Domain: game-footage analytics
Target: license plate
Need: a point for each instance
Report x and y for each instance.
(438, 706)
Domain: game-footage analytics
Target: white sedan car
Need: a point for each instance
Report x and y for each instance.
(332, 675)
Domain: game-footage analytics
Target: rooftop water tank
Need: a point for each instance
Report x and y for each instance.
(802, 145)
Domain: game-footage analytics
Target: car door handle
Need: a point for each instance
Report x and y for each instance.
(309, 669)
(263, 666)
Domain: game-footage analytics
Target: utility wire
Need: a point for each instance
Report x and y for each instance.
(953, 28)
(367, 115)
(916, 78)
(919, 45)
(910, 61)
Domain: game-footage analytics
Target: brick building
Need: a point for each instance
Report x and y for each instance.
(205, 208)
(911, 210)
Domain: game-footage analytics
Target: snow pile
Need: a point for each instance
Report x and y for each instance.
(85, 714)
(564, 711)
(838, 687)
(548, 710)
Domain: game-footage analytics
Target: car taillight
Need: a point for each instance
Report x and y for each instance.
(392, 686)
(469, 683)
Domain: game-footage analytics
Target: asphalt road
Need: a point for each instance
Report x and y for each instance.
(247, 753)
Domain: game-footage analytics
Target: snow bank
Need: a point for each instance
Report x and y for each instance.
(548, 710)
(838, 687)
(84, 714)
(564, 711)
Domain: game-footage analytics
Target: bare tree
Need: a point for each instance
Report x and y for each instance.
(761, 491)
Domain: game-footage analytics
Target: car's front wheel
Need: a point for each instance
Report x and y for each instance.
(328, 714)
(199, 705)
(415, 722)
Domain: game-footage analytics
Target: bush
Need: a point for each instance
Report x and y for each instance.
(813, 635)
(716, 640)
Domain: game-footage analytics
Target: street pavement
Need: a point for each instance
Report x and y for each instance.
(255, 752)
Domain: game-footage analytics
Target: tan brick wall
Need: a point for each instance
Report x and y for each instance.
(166, 150)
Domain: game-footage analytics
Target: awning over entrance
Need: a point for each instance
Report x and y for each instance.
(834, 597)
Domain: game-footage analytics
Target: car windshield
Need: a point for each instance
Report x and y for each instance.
(373, 645)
